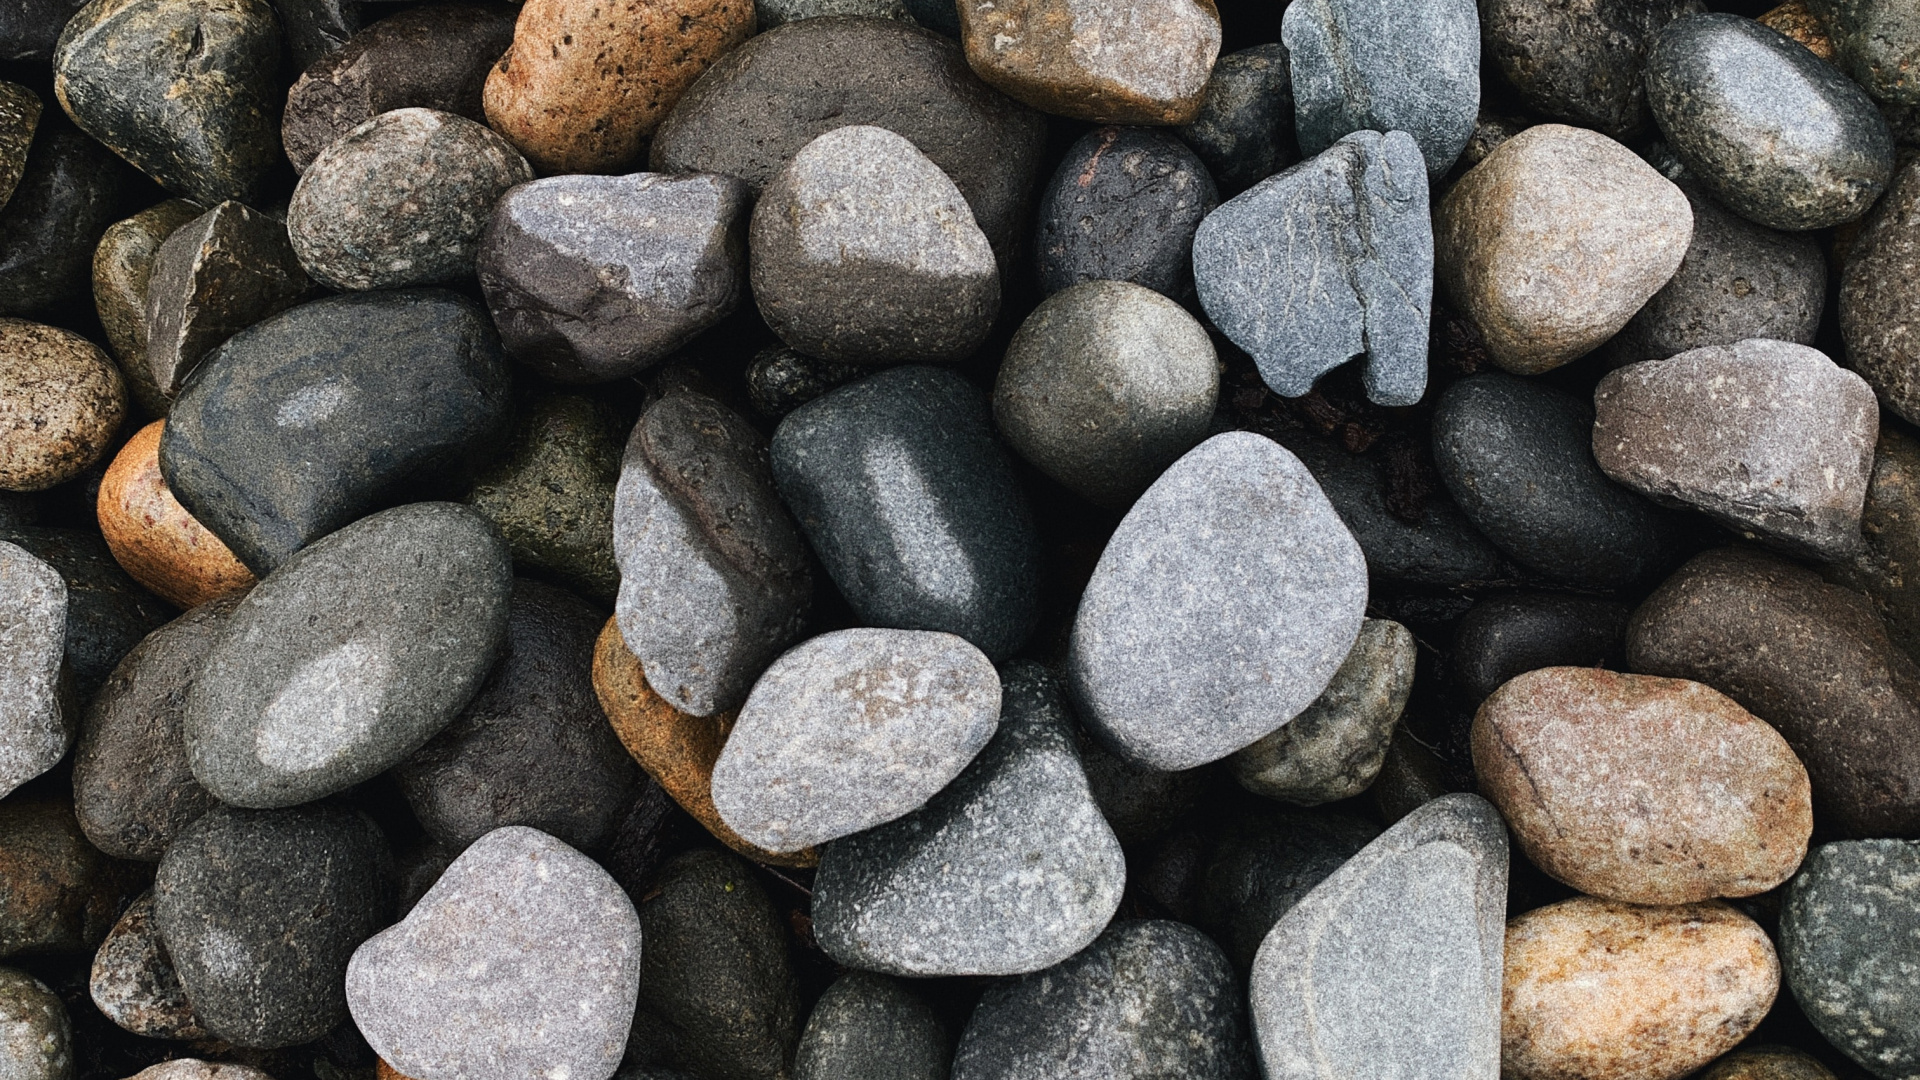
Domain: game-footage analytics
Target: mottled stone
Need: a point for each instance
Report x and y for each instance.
(1106, 61)
(1796, 19)
(1391, 966)
(58, 893)
(36, 722)
(550, 492)
(36, 1037)
(1505, 636)
(1220, 609)
(522, 960)
(61, 402)
(212, 278)
(1580, 63)
(1877, 42)
(72, 190)
(1597, 990)
(1850, 943)
(772, 13)
(869, 1027)
(1554, 241)
(132, 981)
(1889, 570)
(1327, 261)
(1768, 1063)
(1776, 135)
(1122, 206)
(780, 380)
(186, 90)
(1267, 860)
(1879, 320)
(19, 117)
(195, 1069)
(122, 271)
(1244, 131)
(152, 536)
(592, 278)
(107, 613)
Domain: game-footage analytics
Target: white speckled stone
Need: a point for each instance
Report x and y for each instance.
(34, 728)
(36, 1039)
(195, 1069)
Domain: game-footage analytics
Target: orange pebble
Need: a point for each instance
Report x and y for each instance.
(158, 543)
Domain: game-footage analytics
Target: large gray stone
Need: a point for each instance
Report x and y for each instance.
(35, 728)
(869, 1027)
(1850, 948)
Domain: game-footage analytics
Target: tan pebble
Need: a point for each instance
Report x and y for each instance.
(153, 537)
(195, 1069)
(1107, 61)
(61, 400)
(1768, 1063)
(1796, 20)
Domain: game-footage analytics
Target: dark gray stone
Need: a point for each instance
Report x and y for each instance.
(1880, 319)
(1505, 636)
(107, 612)
(29, 28)
(941, 16)
(1140, 804)
(36, 718)
(132, 981)
(36, 1035)
(1009, 869)
(1267, 861)
(325, 412)
(1849, 947)
(1890, 521)
(780, 380)
(316, 28)
(19, 117)
(1327, 261)
(1582, 63)
(58, 893)
(1489, 131)
(1244, 131)
(260, 911)
(912, 506)
(213, 277)
(1877, 42)
(1123, 206)
(869, 1027)
(1773, 131)
(1150, 998)
(70, 192)
(350, 657)
(550, 492)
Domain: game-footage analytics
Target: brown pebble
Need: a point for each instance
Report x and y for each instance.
(1106, 61)
(58, 893)
(1768, 1063)
(153, 537)
(61, 400)
(1798, 22)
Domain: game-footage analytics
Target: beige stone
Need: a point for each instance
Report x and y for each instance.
(61, 400)
(1107, 61)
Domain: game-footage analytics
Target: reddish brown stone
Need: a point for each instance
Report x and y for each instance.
(1798, 22)
(1108, 61)
(61, 400)
(58, 893)
(153, 537)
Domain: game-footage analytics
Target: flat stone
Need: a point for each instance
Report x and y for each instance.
(58, 893)
(1600, 989)
(188, 91)
(869, 1027)
(1123, 206)
(1009, 869)
(863, 251)
(1582, 64)
(1885, 572)
(771, 13)
(153, 537)
(72, 190)
(1244, 131)
(432, 57)
(1105, 385)
(122, 272)
(107, 613)
(557, 946)
(850, 730)
(550, 491)
(1104, 61)
(36, 1037)
(19, 117)
(260, 911)
(1391, 966)
(1809, 658)
(212, 278)
(61, 402)
(1554, 241)
(1877, 42)
(714, 578)
(780, 380)
(300, 424)
(132, 981)
(1266, 861)
(36, 725)
(1501, 637)
(580, 89)
(1768, 1063)
(1850, 941)
(29, 29)
(1776, 135)
(912, 506)
(592, 278)
(1220, 609)
(1384, 66)
(1330, 260)
(1877, 319)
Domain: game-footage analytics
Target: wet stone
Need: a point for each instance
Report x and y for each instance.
(58, 893)
(122, 273)
(1878, 319)
(550, 492)
(1505, 636)
(19, 116)
(1123, 206)
(213, 277)
(870, 1027)
(1106, 61)
(36, 1036)
(154, 538)
(61, 402)
(1849, 941)
(36, 721)
(1244, 131)
(107, 613)
(1266, 862)
(72, 190)
(133, 983)
(780, 380)
(1582, 64)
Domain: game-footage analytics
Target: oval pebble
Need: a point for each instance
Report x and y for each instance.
(61, 401)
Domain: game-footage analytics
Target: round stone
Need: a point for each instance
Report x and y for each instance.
(153, 537)
(1584, 63)
(1108, 61)
(1122, 206)
(36, 1037)
(870, 1027)
(772, 13)
(36, 721)
(1768, 1063)
(61, 401)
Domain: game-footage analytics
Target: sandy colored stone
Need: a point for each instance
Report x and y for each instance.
(1598, 990)
(122, 270)
(677, 749)
(195, 1069)
(1107, 61)
(1796, 20)
(1642, 789)
(583, 85)
(153, 537)
(61, 400)
(1768, 1062)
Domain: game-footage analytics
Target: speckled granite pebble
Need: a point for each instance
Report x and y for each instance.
(1108, 61)
(1583, 63)
(36, 725)
(36, 1037)
(1850, 944)
(132, 981)
(61, 401)
(1877, 42)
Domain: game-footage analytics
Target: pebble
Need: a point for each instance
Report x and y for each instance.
(304, 422)
(1768, 1063)
(1105, 385)
(1509, 635)
(132, 981)
(1551, 244)
(1583, 64)
(317, 28)
(188, 91)
(580, 89)
(1601, 990)
(1796, 19)
(152, 536)
(1140, 805)
(432, 57)
(850, 730)
(550, 491)
(58, 893)
(1123, 206)
(1850, 944)
(216, 275)
(61, 402)
(107, 613)
(1327, 261)
(1878, 319)
(1391, 966)
(19, 116)
(1149, 998)
(28, 30)
(780, 380)
(36, 1038)
(771, 13)
(1244, 131)
(1106, 61)
(403, 199)
(870, 1027)
(1775, 134)
(1009, 869)
(1809, 658)
(714, 580)
(122, 273)
(1263, 864)
(532, 748)
(911, 505)
(1877, 42)
(524, 959)
(1517, 457)
(1385, 65)
(72, 190)
(36, 725)
(1335, 747)
(1207, 624)
(864, 252)
(195, 1069)
(260, 911)
(592, 278)
(1889, 523)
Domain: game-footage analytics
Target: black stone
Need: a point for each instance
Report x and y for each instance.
(1266, 862)
(28, 28)
(107, 612)
(870, 1027)
(1123, 206)
(780, 380)
(318, 28)
(1505, 636)
(1140, 804)
(72, 190)
(941, 16)
(1580, 62)
(1244, 131)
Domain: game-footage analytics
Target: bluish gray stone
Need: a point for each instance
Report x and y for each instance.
(1850, 948)
(1122, 206)
(1385, 65)
(35, 725)
(1392, 965)
(1244, 131)
(1221, 607)
(1327, 261)
(869, 1027)
(1009, 869)
(912, 506)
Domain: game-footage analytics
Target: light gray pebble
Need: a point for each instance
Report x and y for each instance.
(35, 728)
(36, 1038)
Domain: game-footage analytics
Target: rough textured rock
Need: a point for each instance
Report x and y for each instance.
(869, 1027)
(1108, 62)
(559, 950)
(1244, 131)
(772, 13)
(1554, 241)
(1850, 942)
(1768, 1063)
(1009, 869)
(317, 28)
(1505, 636)
(1776, 135)
(61, 401)
(122, 271)
(36, 1037)
(212, 278)
(1326, 261)
(153, 537)
(1597, 989)
(780, 380)
(1877, 42)
(132, 981)
(28, 30)
(1265, 862)
(1879, 320)
(1580, 63)
(592, 278)
(1886, 572)
(72, 190)
(19, 116)
(1203, 628)
(550, 491)
(1122, 206)
(107, 613)
(58, 893)
(1392, 964)
(36, 721)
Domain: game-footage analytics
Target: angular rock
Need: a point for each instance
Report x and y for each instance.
(19, 116)
(1879, 320)
(1244, 131)
(132, 981)
(1891, 524)
(1266, 862)
(153, 537)
(1009, 869)
(58, 894)
(1106, 61)
(1506, 636)
(36, 1037)
(1327, 261)
(213, 277)
(780, 380)
(1392, 964)
(1122, 206)
(1220, 609)
(61, 403)
(107, 613)
(1850, 942)
(71, 191)
(557, 948)
(850, 730)
(122, 272)
(1877, 42)
(1583, 64)
(593, 278)
(869, 1027)
(36, 725)
(550, 492)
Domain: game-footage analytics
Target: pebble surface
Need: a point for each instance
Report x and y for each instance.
(152, 536)
(61, 400)
(1107, 61)
(36, 725)
(1850, 941)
